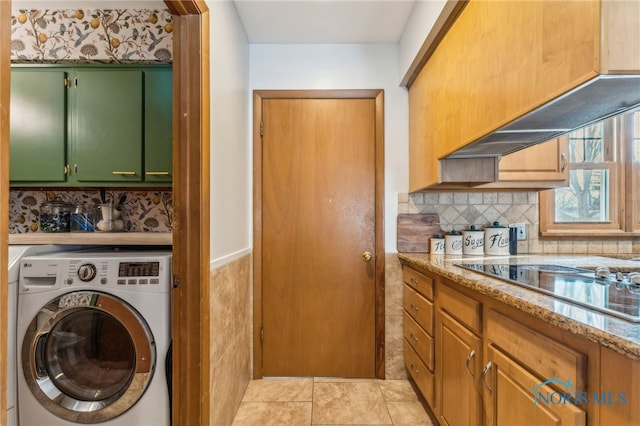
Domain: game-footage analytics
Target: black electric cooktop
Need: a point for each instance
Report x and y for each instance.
(615, 294)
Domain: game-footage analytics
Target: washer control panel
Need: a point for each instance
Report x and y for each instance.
(134, 271)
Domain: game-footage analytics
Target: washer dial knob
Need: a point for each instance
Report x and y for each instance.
(87, 272)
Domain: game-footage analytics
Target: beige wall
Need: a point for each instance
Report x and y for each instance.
(394, 353)
(230, 215)
(230, 363)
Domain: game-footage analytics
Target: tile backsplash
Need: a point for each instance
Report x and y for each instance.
(458, 210)
(143, 211)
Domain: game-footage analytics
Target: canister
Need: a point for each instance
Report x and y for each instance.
(82, 218)
(496, 239)
(55, 216)
(108, 218)
(437, 244)
(473, 241)
(453, 242)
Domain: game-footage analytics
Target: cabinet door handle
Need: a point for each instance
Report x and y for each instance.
(469, 358)
(67, 170)
(157, 173)
(563, 159)
(484, 376)
(116, 172)
(75, 170)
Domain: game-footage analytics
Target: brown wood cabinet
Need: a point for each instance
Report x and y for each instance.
(509, 401)
(502, 60)
(418, 331)
(459, 355)
(620, 385)
(522, 369)
(541, 166)
(477, 361)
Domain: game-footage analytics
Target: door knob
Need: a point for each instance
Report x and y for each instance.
(366, 256)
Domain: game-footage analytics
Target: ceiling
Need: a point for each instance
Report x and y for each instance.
(290, 21)
(324, 21)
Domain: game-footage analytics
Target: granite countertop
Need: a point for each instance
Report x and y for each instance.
(618, 334)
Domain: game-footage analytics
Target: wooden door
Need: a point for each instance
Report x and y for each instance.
(510, 396)
(544, 161)
(318, 214)
(459, 364)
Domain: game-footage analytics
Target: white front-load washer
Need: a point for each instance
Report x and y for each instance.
(93, 336)
(16, 252)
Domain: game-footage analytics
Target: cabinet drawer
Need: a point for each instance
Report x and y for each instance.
(419, 308)
(543, 356)
(420, 282)
(421, 342)
(463, 308)
(420, 374)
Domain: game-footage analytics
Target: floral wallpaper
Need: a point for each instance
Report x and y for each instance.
(91, 35)
(142, 211)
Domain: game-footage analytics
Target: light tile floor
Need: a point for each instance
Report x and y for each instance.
(326, 401)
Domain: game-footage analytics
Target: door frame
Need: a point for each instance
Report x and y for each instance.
(378, 97)
(191, 189)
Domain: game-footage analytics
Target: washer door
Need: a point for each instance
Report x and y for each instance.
(88, 356)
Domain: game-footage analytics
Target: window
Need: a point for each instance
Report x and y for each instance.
(604, 178)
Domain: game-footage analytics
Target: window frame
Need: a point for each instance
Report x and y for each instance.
(624, 204)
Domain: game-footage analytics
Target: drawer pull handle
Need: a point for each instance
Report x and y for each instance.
(157, 173)
(116, 172)
(484, 376)
(413, 337)
(413, 281)
(469, 358)
(415, 307)
(413, 368)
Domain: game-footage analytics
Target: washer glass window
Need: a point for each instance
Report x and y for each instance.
(90, 356)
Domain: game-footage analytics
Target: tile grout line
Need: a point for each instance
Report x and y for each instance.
(385, 401)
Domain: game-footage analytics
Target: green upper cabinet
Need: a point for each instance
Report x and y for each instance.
(38, 125)
(107, 123)
(110, 127)
(158, 124)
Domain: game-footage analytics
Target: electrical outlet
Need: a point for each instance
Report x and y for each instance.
(521, 230)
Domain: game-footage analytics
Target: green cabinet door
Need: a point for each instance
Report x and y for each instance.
(107, 123)
(37, 125)
(157, 125)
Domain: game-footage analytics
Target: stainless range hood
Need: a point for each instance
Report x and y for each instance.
(598, 99)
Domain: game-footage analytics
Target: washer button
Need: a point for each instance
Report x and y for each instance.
(87, 272)
(132, 281)
(69, 281)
